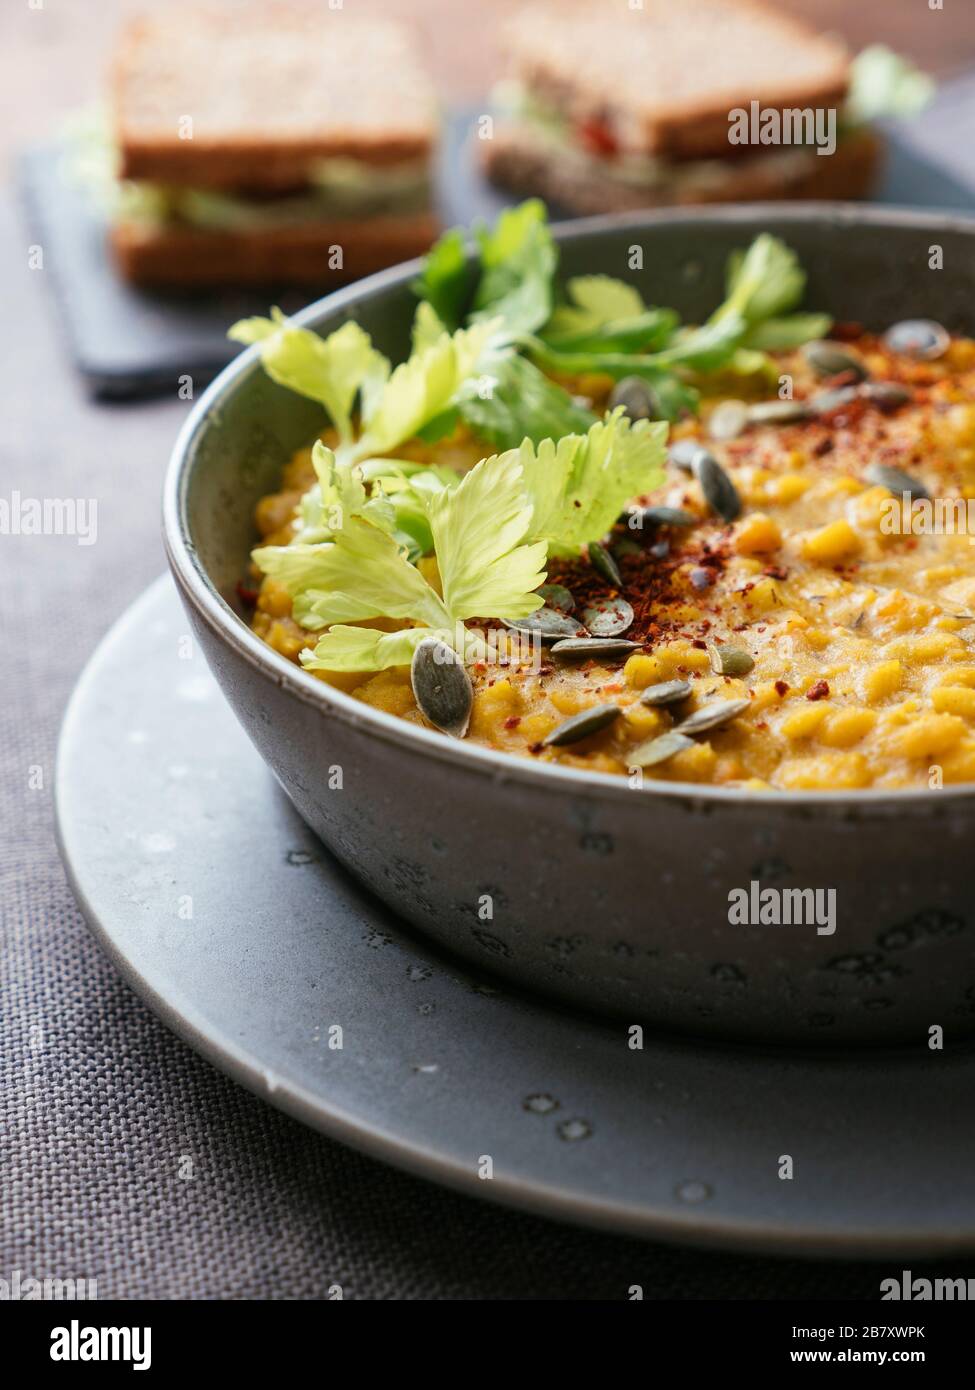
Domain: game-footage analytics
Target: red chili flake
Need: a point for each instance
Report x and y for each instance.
(246, 593)
(781, 689)
(776, 571)
(597, 137)
(513, 721)
(819, 691)
(535, 747)
(655, 586)
(824, 447)
(701, 646)
(846, 331)
(845, 416)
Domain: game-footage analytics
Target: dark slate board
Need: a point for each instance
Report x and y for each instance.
(129, 342)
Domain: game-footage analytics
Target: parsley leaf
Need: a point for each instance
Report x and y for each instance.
(595, 300)
(328, 370)
(446, 278)
(421, 388)
(579, 485)
(488, 565)
(518, 260)
(512, 400)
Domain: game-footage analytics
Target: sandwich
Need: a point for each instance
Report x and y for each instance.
(614, 108)
(268, 144)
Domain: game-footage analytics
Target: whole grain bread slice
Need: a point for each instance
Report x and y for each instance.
(519, 160)
(181, 256)
(663, 76)
(216, 97)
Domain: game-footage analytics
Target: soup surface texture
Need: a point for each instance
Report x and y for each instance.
(842, 608)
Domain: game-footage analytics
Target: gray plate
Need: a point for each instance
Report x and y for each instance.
(239, 930)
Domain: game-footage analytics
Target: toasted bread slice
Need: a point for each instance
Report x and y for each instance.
(518, 159)
(181, 256)
(213, 98)
(661, 79)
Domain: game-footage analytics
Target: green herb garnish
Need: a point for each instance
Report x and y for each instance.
(487, 338)
(487, 565)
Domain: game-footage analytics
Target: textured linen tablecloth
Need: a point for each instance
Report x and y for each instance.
(97, 1100)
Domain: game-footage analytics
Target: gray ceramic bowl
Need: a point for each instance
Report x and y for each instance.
(608, 897)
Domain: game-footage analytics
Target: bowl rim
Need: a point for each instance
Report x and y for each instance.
(198, 589)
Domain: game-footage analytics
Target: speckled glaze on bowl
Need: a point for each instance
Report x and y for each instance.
(572, 882)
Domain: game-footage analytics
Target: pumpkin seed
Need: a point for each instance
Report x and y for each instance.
(658, 750)
(666, 693)
(719, 491)
(608, 619)
(636, 397)
(829, 359)
(623, 548)
(701, 578)
(887, 395)
(596, 648)
(825, 402)
(604, 564)
(713, 715)
(778, 412)
(548, 623)
(894, 480)
(729, 661)
(667, 516)
(442, 687)
(920, 338)
(727, 420)
(590, 721)
(558, 597)
(683, 452)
